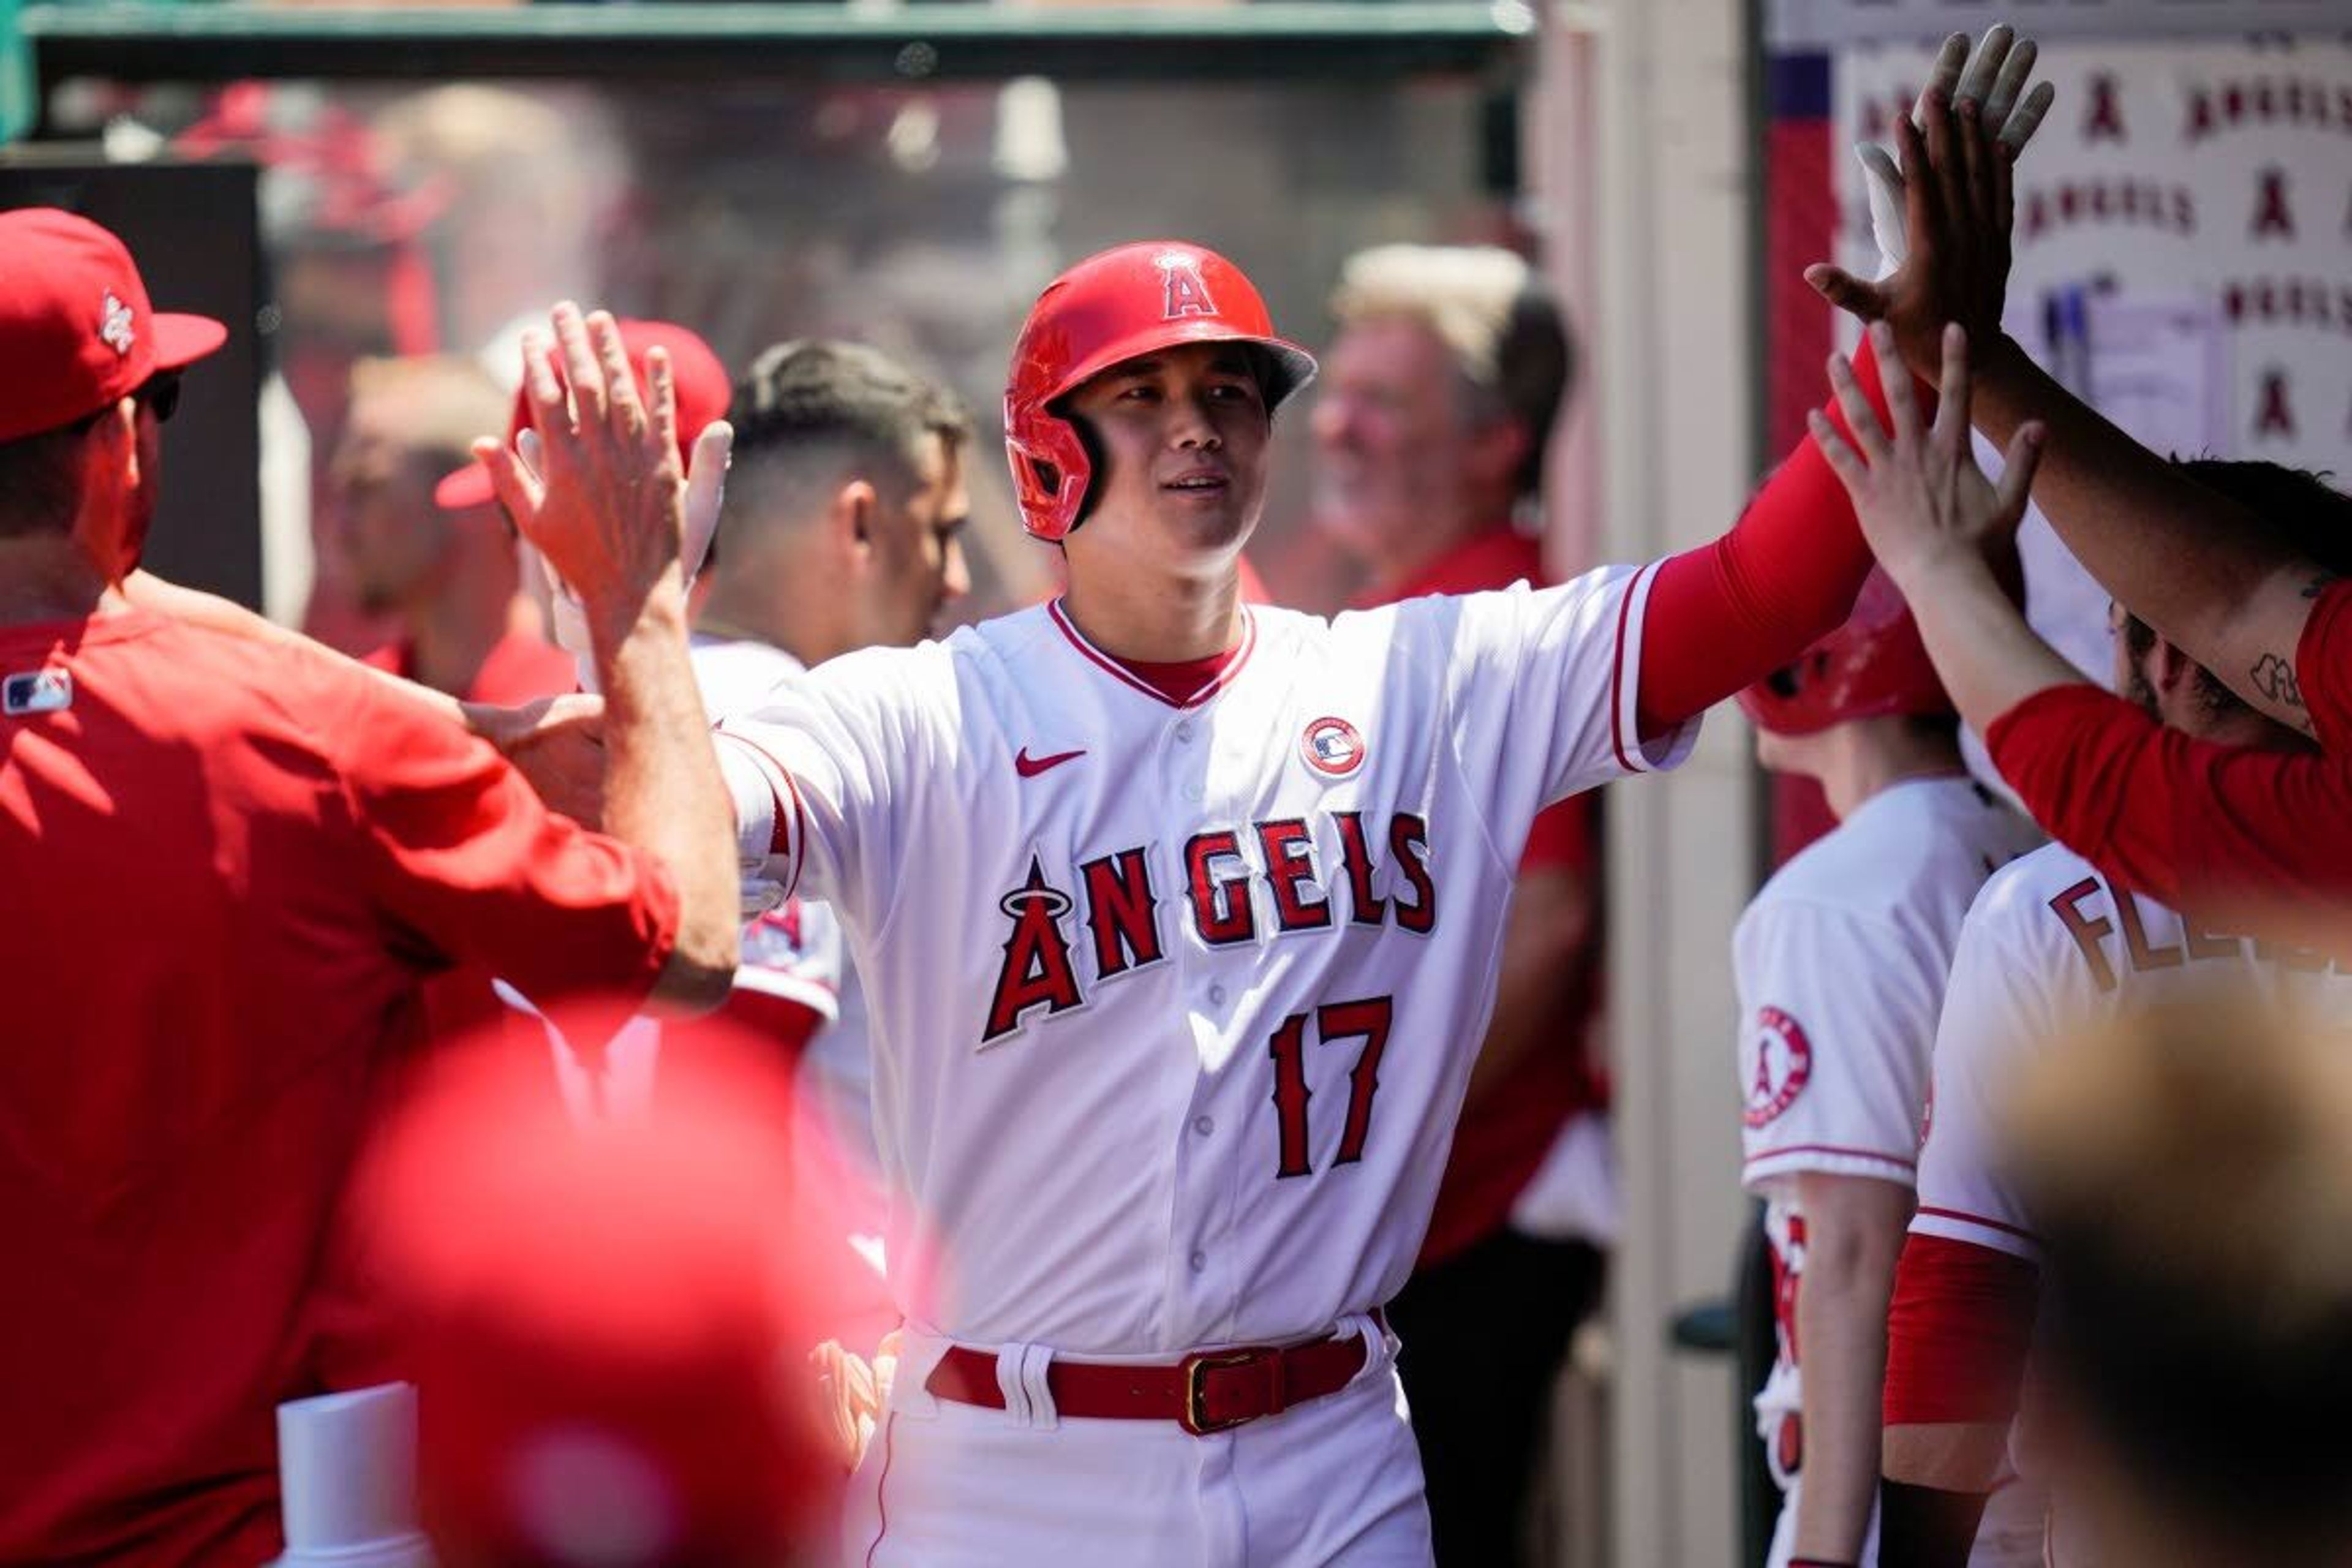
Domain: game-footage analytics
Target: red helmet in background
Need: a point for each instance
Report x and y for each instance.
(1874, 667)
(1153, 294)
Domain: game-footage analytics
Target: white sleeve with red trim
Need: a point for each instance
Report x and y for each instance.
(2009, 991)
(795, 952)
(1837, 1014)
(820, 772)
(1539, 687)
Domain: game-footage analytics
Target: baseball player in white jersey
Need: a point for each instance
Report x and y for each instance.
(1160, 981)
(1174, 915)
(1841, 961)
(2054, 945)
(1167, 956)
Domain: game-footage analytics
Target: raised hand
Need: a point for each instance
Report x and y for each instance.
(1957, 203)
(559, 605)
(1922, 500)
(606, 503)
(1995, 74)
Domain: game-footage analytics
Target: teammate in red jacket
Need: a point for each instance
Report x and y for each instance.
(226, 865)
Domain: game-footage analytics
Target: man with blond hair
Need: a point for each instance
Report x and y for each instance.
(1451, 364)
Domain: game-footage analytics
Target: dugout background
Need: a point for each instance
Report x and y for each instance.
(911, 174)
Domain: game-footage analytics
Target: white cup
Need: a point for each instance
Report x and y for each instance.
(347, 1480)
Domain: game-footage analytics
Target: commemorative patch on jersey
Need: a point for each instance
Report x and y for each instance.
(36, 691)
(1784, 1060)
(1333, 747)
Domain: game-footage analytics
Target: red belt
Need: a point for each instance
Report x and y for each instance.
(1208, 1391)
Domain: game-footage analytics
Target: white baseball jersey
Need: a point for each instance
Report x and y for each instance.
(794, 951)
(1173, 1002)
(2051, 945)
(1841, 963)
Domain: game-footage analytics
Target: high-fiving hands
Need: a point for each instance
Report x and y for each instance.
(1993, 74)
(1923, 502)
(596, 486)
(1945, 220)
(1933, 520)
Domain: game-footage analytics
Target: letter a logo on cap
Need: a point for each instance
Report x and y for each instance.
(114, 323)
(1187, 295)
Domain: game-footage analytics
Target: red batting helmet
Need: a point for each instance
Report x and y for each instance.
(1872, 666)
(1153, 294)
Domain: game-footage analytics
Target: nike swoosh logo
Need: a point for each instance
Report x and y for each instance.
(1029, 767)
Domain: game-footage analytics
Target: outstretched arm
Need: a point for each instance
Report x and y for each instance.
(609, 511)
(2217, 582)
(1725, 615)
(2182, 819)
(555, 742)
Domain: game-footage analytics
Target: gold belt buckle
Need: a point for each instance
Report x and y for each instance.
(1196, 1367)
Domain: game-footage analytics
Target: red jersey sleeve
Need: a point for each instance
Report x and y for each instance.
(2186, 821)
(1725, 615)
(2323, 667)
(1958, 1331)
(464, 855)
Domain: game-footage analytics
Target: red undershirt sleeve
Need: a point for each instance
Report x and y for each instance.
(2187, 822)
(1724, 616)
(2323, 663)
(1958, 1331)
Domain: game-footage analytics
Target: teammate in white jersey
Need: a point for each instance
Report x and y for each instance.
(2053, 945)
(1175, 917)
(842, 529)
(1841, 961)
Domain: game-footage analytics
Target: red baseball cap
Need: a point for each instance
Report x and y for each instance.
(703, 393)
(76, 330)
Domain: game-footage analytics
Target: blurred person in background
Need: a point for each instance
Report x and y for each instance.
(609, 1321)
(1437, 399)
(179, 1113)
(530, 187)
(2055, 944)
(1841, 964)
(2188, 1172)
(447, 574)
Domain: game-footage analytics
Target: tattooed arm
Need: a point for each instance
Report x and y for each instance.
(2230, 587)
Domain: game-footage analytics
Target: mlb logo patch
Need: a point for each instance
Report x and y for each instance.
(36, 691)
(1333, 747)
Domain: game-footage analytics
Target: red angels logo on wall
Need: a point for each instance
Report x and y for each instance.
(1333, 747)
(1784, 1060)
(2104, 119)
(1185, 294)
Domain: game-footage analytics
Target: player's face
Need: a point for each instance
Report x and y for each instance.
(917, 565)
(139, 501)
(1392, 439)
(379, 503)
(1182, 436)
(2127, 679)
